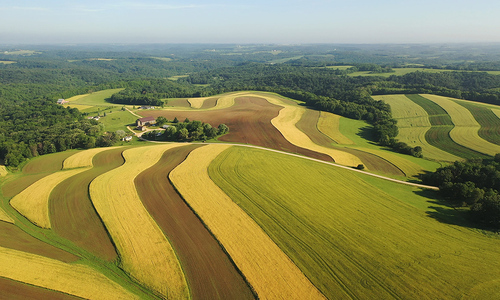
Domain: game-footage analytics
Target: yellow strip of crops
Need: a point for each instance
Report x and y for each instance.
(79, 106)
(496, 112)
(270, 272)
(83, 158)
(225, 101)
(285, 123)
(145, 252)
(74, 98)
(328, 124)
(197, 102)
(466, 127)
(3, 170)
(73, 279)
(33, 202)
(413, 124)
(5, 217)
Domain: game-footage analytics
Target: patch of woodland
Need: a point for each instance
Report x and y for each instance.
(187, 131)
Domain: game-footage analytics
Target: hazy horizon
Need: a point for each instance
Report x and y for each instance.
(258, 22)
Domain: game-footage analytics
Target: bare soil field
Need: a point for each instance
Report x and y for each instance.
(249, 121)
(13, 237)
(209, 272)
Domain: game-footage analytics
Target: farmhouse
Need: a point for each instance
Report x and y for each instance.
(62, 101)
(146, 121)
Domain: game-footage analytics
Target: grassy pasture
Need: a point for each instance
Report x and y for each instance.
(466, 127)
(489, 121)
(72, 214)
(12, 289)
(142, 246)
(353, 238)
(95, 99)
(118, 120)
(33, 202)
(413, 124)
(328, 124)
(178, 103)
(73, 279)
(80, 107)
(209, 273)
(268, 270)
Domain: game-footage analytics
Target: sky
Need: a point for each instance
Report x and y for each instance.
(257, 21)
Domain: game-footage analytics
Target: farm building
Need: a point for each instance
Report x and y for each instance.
(127, 138)
(62, 101)
(146, 121)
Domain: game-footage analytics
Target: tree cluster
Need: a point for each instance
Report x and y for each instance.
(187, 131)
(475, 184)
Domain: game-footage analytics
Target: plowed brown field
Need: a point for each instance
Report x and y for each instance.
(15, 290)
(14, 238)
(209, 272)
(249, 121)
(71, 211)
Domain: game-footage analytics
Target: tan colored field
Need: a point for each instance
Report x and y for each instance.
(466, 127)
(413, 124)
(83, 158)
(5, 217)
(285, 123)
(73, 279)
(3, 170)
(74, 98)
(197, 102)
(268, 270)
(33, 202)
(145, 252)
(328, 124)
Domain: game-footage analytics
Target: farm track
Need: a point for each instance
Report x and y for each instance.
(12, 289)
(71, 210)
(209, 272)
(249, 120)
(269, 271)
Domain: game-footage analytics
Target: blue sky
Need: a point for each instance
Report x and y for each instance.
(222, 21)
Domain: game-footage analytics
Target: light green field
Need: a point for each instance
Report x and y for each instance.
(7, 62)
(403, 71)
(117, 120)
(359, 132)
(22, 52)
(339, 67)
(352, 237)
(413, 124)
(466, 127)
(96, 98)
(174, 78)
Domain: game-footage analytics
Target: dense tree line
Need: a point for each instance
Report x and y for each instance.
(186, 131)
(475, 184)
(41, 127)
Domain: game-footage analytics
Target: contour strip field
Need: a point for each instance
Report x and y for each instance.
(270, 272)
(146, 254)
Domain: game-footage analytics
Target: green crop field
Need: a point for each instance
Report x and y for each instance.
(354, 238)
(489, 121)
(439, 134)
(96, 98)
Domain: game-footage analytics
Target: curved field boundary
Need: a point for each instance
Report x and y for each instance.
(33, 202)
(145, 252)
(489, 121)
(496, 112)
(5, 217)
(285, 123)
(209, 103)
(73, 279)
(270, 272)
(466, 127)
(308, 125)
(83, 158)
(3, 171)
(328, 124)
(209, 272)
(413, 124)
(196, 102)
(15, 238)
(12, 289)
(47, 163)
(72, 214)
(439, 134)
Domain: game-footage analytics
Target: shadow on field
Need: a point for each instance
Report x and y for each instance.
(444, 211)
(367, 134)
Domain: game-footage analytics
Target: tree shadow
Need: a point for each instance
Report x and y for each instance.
(446, 211)
(366, 133)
